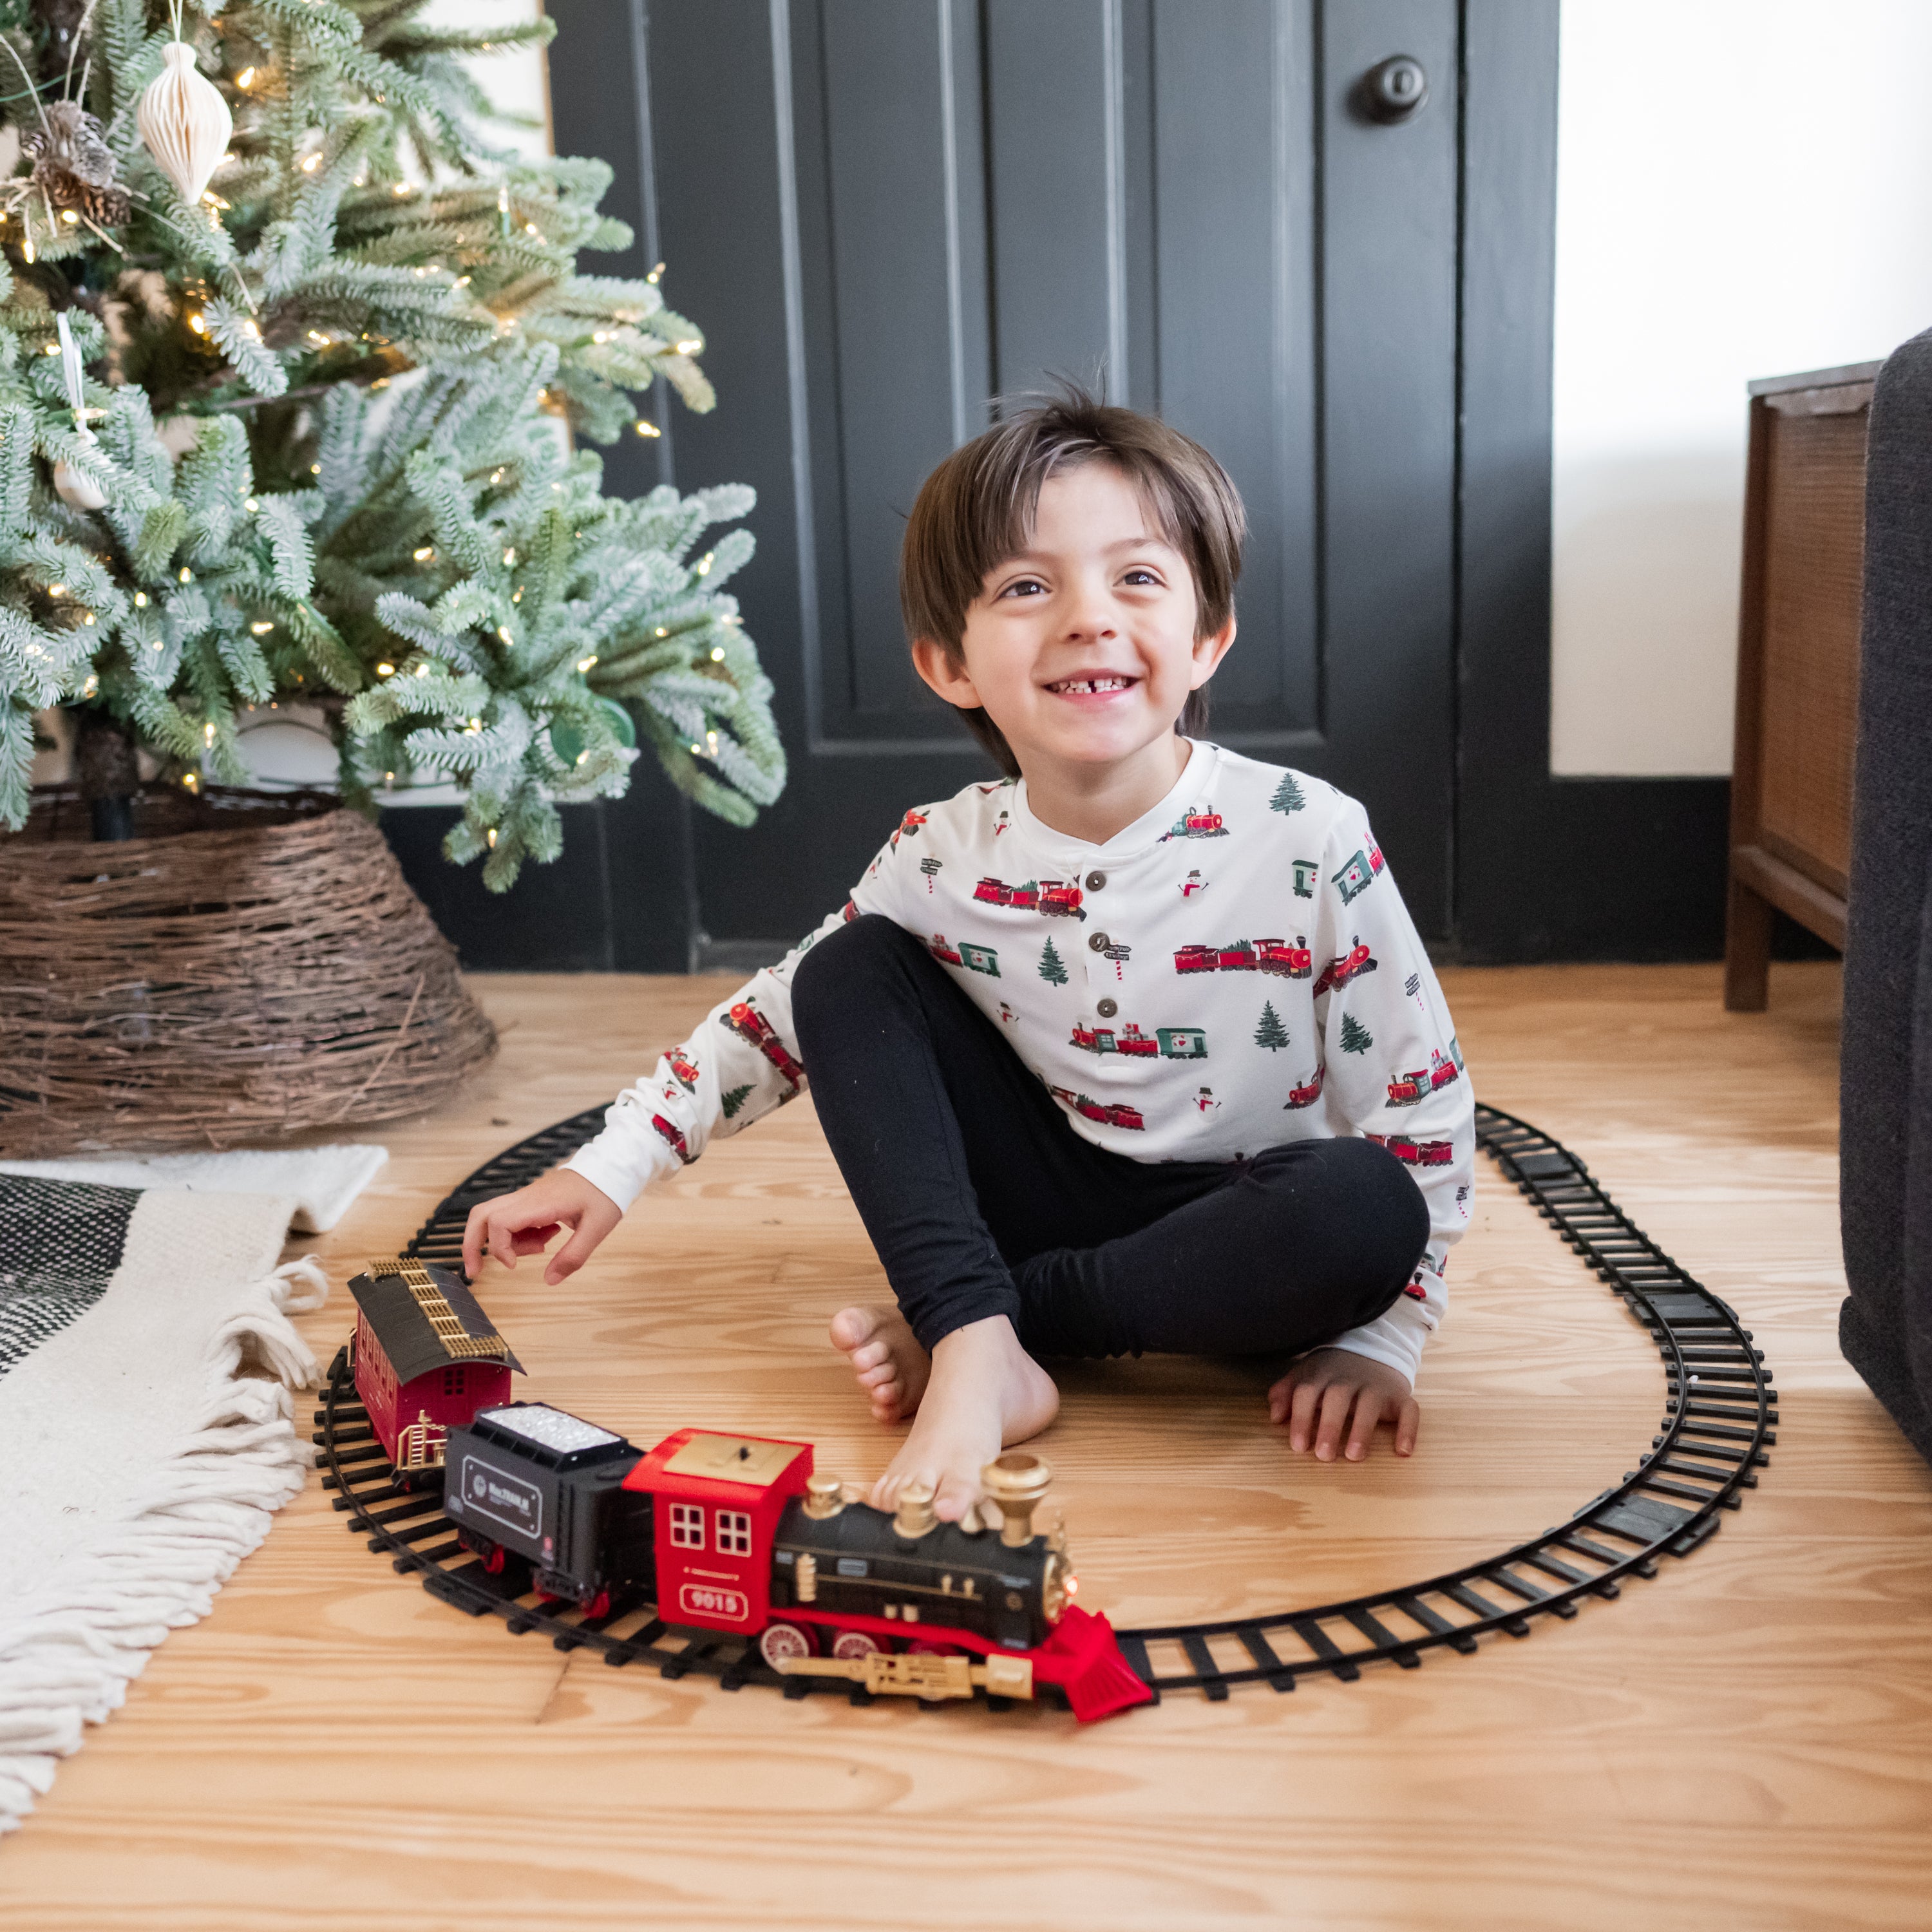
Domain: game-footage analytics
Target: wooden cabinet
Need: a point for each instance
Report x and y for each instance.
(1798, 666)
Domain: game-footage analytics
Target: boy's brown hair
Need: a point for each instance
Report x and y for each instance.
(976, 509)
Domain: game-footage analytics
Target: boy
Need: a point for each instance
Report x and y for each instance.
(1014, 1021)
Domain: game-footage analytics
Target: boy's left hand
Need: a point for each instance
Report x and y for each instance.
(1317, 1397)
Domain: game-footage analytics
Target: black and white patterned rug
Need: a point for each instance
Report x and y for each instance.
(60, 1243)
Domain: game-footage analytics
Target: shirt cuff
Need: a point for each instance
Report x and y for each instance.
(619, 1173)
(1395, 1338)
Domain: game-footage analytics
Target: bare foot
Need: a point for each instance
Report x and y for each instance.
(892, 1367)
(984, 1393)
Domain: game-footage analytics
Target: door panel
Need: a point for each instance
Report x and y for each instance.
(885, 212)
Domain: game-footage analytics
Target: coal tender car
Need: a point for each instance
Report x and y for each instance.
(737, 1535)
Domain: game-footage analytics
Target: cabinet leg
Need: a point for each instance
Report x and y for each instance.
(1747, 950)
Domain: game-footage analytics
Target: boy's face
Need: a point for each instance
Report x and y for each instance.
(1081, 647)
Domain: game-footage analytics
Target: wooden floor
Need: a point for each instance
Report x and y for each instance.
(1746, 1741)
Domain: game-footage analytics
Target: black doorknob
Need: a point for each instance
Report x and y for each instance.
(1392, 90)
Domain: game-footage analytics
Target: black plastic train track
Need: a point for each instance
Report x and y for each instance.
(1720, 1418)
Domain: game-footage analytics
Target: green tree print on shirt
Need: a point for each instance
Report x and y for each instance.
(1356, 1038)
(1051, 970)
(733, 1100)
(1287, 795)
(1271, 1033)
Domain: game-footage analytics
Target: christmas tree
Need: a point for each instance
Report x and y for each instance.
(732, 1101)
(1051, 970)
(1271, 1033)
(1356, 1038)
(1288, 795)
(285, 415)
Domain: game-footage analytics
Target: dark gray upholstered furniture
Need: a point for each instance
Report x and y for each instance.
(1886, 1095)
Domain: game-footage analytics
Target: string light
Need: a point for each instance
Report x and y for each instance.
(647, 428)
(141, 603)
(27, 249)
(600, 335)
(584, 663)
(208, 734)
(496, 476)
(662, 632)
(199, 323)
(310, 163)
(717, 653)
(510, 555)
(53, 348)
(262, 629)
(87, 617)
(422, 670)
(652, 277)
(489, 839)
(690, 348)
(245, 79)
(190, 782)
(424, 555)
(385, 670)
(704, 564)
(56, 590)
(503, 631)
(186, 575)
(72, 220)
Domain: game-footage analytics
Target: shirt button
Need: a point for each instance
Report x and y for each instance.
(1095, 880)
(1108, 1008)
(1099, 943)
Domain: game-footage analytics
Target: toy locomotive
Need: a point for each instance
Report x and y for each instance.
(739, 1535)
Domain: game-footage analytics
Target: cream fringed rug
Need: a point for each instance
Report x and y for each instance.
(147, 1435)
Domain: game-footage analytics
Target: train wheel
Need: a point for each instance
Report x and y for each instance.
(492, 1559)
(856, 1643)
(599, 1606)
(782, 1640)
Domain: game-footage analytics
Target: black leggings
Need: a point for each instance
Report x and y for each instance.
(982, 1200)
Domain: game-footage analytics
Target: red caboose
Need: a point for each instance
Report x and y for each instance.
(1416, 1153)
(994, 892)
(1195, 959)
(751, 1026)
(717, 1499)
(1123, 1116)
(426, 1357)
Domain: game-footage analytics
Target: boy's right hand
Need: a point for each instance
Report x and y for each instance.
(522, 1223)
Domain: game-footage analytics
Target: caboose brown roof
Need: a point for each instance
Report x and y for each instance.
(403, 1328)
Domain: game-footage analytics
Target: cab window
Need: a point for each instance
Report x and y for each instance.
(687, 1525)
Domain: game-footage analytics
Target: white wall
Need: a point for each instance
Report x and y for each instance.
(1744, 188)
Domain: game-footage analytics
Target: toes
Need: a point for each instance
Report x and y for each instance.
(873, 1364)
(958, 1496)
(852, 1328)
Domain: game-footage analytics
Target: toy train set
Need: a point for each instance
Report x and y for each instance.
(722, 1533)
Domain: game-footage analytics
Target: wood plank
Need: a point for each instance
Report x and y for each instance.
(1745, 1740)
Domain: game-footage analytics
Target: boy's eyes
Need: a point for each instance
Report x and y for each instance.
(1138, 574)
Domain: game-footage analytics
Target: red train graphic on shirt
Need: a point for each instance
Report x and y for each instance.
(1351, 965)
(1197, 822)
(1248, 955)
(1308, 1093)
(1416, 1153)
(673, 1138)
(1407, 1089)
(974, 958)
(1057, 898)
(752, 1026)
(1116, 1115)
(684, 1069)
(1165, 1042)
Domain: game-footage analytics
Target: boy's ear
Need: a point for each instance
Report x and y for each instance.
(1209, 650)
(945, 672)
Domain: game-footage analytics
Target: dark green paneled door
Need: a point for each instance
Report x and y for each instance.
(884, 212)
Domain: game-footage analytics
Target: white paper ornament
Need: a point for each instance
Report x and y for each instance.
(184, 121)
(70, 485)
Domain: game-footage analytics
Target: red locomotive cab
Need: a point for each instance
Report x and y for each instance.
(685, 1072)
(994, 892)
(1063, 900)
(751, 1026)
(1092, 1039)
(1135, 1042)
(1406, 1089)
(1435, 1153)
(1307, 1095)
(716, 1502)
(673, 1138)
(947, 955)
(1195, 959)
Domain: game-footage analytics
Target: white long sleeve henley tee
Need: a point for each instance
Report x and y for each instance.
(1234, 970)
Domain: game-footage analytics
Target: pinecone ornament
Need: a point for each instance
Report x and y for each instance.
(184, 122)
(74, 167)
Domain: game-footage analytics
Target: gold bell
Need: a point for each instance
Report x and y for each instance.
(1016, 1481)
(824, 1496)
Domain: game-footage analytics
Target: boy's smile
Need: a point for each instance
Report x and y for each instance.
(1081, 648)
